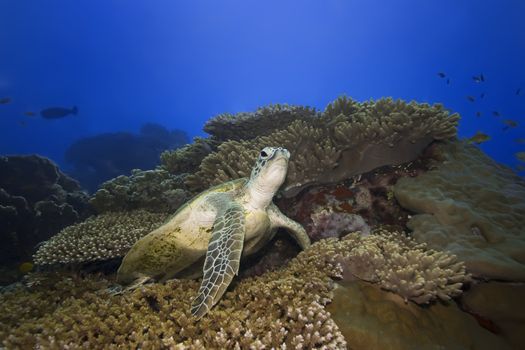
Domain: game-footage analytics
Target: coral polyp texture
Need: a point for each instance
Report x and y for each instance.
(99, 238)
(248, 125)
(349, 138)
(472, 207)
(153, 190)
(398, 264)
(187, 158)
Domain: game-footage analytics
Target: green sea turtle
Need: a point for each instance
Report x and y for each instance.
(219, 226)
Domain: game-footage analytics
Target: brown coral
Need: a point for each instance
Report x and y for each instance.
(472, 207)
(98, 238)
(333, 147)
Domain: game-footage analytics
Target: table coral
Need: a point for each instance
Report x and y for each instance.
(153, 190)
(472, 207)
(333, 147)
(101, 237)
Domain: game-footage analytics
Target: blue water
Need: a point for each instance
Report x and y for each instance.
(178, 63)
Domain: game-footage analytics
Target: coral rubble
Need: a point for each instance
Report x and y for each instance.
(472, 207)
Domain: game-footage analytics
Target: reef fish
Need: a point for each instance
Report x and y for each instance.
(471, 98)
(5, 100)
(478, 78)
(509, 123)
(58, 112)
(478, 138)
(29, 114)
(520, 156)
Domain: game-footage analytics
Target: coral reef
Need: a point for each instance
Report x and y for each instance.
(472, 207)
(36, 201)
(335, 146)
(101, 237)
(280, 309)
(186, 159)
(327, 223)
(370, 318)
(500, 308)
(102, 157)
(154, 190)
(398, 264)
(248, 125)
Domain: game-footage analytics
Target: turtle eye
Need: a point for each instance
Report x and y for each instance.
(264, 154)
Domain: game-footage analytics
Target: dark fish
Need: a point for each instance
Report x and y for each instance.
(58, 112)
(478, 78)
(518, 91)
(478, 114)
(520, 140)
(471, 98)
(448, 81)
(29, 114)
(478, 138)
(509, 123)
(496, 114)
(441, 74)
(520, 156)
(482, 95)
(5, 100)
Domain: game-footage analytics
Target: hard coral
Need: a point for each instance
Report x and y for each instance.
(36, 201)
(333, 147)
(472, 207)
(153, 190)
(98, 238)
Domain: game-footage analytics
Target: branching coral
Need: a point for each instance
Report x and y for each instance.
(153, 190)
(333, 147)
(471, 206)
(98, 238)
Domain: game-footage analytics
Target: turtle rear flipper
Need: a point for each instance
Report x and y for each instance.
(222, 258)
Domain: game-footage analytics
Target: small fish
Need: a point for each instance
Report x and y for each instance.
(478, 78)
(5, 100)
(509, 123)
(441, 74)
(518, 91)
(482, 95)
(29, 114)
(448, 81)
(520, 140)
(520, 156)
(478, 114)
(496, 114)
(471, 98)
(26, 267)
(58, 112)
(478, 138)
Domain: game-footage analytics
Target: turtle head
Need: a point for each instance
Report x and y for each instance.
(268, 175)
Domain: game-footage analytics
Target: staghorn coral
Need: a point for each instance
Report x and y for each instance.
(248, 125)
(331, 148)
(154, 190)
(472, 207)
(187, 158)
(101, 237)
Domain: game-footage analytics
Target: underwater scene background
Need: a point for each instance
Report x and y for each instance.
(262, 175)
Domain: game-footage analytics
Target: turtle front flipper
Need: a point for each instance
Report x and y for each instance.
(278, 219)
(222, 258)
